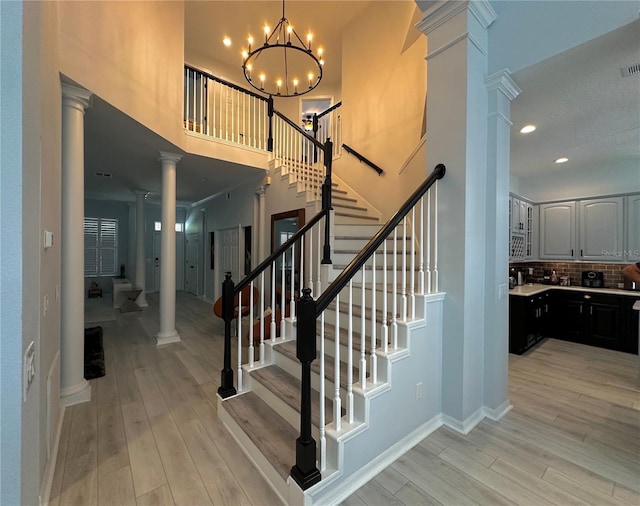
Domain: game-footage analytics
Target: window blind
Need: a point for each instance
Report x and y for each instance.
(100, 247)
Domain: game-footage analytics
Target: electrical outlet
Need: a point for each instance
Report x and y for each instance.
(57, 293)
(502, 290)
(419, 390)
(28, 368)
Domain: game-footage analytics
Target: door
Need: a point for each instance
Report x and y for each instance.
(192, 265)
(179, 261)
(227, 257)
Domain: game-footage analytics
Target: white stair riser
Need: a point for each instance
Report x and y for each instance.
(355, 243)
(344, 257)
(357, 229)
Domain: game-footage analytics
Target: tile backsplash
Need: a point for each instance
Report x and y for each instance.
(612, 272)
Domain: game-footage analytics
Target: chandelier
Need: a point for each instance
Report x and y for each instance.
(284, 65)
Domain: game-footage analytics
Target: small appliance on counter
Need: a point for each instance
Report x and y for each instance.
(593, 279)
(629, 284)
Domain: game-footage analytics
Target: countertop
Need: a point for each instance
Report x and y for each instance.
(537, 288)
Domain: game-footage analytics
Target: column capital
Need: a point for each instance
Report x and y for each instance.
(261, 191)
(75, 96)
(501, 81)
(165, 156)
(443, 11)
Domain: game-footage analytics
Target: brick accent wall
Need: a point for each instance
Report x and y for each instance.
(612, 272)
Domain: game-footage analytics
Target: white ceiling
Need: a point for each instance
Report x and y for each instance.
(581, 105)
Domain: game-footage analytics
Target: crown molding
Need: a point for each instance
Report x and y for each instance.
(443, 11)
(502, 81)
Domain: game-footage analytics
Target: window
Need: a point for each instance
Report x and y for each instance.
(100, 247)
(157, 226)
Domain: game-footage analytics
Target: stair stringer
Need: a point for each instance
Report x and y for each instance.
(383, 436)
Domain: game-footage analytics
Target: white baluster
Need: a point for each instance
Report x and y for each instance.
(239, 322)
(349, 356)
(385, 327)
(261, 317)
(193, 105)
(337, 402)
(429, 241)
(412, 290)
(283, 302)
(311, 264)
(321, 415)
(302, 264)
(226, 114)
(421, 247)
(374, 320)
(272, 330)
(435, 238)
(319, 266)
(251, 304)
(363, 332)
(394, 291)
(404, 269)
(293, 278)
(201, 113)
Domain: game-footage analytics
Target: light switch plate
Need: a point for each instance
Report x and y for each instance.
(28, 368)
(502, 291)
(48, 239)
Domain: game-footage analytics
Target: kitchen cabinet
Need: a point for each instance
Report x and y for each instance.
(528, 317)
(631, 323)
(601, 233)
(521, 215)
(557, 231)
(633, 228)
(590, 318)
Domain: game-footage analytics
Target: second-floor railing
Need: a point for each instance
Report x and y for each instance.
(222, 110)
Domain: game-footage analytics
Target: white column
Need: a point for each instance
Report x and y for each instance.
(140, 281)
(74, 389)
(457, 111)
(262, 231)
(167, 332)
(502, 90)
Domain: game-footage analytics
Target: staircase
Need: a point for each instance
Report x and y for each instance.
(385, 397)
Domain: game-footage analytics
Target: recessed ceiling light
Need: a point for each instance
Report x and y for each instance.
(527, 129)
(204, 179)
(226, 41)
(562, 160)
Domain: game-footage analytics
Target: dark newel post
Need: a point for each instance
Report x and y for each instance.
(315, 136)
(270, 114)
(226, 388)
(305, 472)
(326, 200)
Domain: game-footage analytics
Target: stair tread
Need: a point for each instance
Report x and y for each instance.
(287, 388)
(348, 206)
(359, 216)
(268, 431)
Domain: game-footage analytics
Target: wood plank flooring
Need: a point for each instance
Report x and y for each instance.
(151, 436)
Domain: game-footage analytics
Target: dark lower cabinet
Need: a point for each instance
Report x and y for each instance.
(596, 319)
(590, 318)
(528, 321)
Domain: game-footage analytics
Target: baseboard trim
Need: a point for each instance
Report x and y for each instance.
(50, 468)
(341, 491)
(467, 425)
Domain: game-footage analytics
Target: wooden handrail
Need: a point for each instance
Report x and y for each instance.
(227, 83)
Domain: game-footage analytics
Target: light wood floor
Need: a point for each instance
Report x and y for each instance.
(151, 436)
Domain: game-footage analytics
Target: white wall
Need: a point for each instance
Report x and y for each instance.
(565, 185)
(566, 24)
(131, 54)
(383, 90)
(11, 249)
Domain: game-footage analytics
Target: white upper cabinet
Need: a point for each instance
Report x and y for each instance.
(557, 231)
(601, 229)
(633, 228)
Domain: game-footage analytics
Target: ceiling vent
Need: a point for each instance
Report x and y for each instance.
(630, 70)
(104, 174)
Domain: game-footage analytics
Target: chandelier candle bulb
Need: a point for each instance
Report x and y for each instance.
(266, 35)
(289, 30)
(250, 40)
(309, 38)
(279, 83)
(295, 86)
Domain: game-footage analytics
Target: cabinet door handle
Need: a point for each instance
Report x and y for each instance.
(581, 254)
(591, 310)
(587, 297)
(546, 308)
(580, 309)
(571, 252)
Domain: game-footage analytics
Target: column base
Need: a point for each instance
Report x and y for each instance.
(167, 338)
(77, 394)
